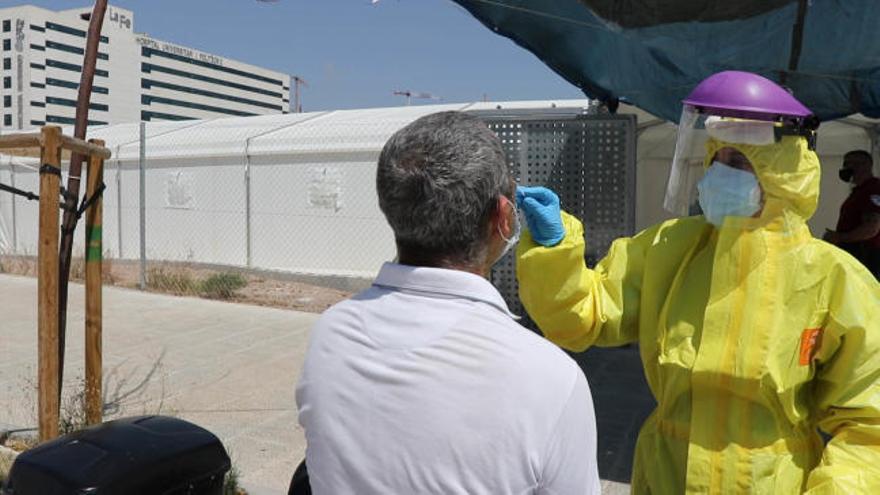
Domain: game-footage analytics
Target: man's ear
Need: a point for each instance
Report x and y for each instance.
(502, 220)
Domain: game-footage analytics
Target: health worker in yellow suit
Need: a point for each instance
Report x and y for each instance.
(752, 333)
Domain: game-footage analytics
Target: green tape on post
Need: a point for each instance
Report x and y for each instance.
(93, 253)
(93, 249)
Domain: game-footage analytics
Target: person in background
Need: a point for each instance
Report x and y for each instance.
(425, 383)
(752, 333)
(858, 227)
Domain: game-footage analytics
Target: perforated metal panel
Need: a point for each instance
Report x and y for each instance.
(589, 160)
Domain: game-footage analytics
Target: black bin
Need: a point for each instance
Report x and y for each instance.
(150, 455)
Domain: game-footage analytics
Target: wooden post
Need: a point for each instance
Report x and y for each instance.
(47, 283)
(93, 255)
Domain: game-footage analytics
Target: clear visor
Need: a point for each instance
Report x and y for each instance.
(694, 129)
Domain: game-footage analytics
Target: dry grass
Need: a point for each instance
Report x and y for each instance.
(193, 281)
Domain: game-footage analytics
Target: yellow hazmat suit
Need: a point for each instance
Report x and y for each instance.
(751, 336)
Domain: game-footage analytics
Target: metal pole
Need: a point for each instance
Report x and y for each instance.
(14, 225)
(12, 183)
(873, 134)
(247, 205)
(119, 203)
(142, 166)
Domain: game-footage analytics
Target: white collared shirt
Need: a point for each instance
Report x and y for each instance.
(425, 383)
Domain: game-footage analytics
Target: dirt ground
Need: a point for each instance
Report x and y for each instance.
(171, 278)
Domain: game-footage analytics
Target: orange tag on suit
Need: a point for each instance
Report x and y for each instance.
(809, 344)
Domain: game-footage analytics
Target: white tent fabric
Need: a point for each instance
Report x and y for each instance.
(296, 192)
(7, 216)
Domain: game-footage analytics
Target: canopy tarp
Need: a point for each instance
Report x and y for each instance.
(651, 53)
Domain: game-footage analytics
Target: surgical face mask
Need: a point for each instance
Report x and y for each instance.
(728, 192)
(846, 174)
(517, 230)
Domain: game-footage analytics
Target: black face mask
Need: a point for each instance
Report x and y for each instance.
(846, 174)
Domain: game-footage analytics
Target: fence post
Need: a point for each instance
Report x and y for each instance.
(119, 204)
(247, 206)
(93, 255)
(142, 166)
(14, 216)
(47, 284)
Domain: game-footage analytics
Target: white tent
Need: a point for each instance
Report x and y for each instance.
(296, 192)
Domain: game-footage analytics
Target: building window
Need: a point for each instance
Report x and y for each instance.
(64, 48)
(72, 103)
(69, 30)
(50, 81)
(148, 83)
(38, 28)
(37, 66)
(7, 45)
(148, 116)
(63, 65)
(7, 120)
(149, 68)
(73, 67)
(7, 101)
(7, 25)
(7, 63)
(54, 119)
(39, 104)
(54, 45)
(149, 52)
(7, 82)
(40, 48)
(38, 85)
(37, 122)
(147, 100)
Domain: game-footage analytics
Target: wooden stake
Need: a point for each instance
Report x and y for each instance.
(47, 284)
(93, 255)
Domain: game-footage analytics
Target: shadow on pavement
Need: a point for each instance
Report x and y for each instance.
(622, 401)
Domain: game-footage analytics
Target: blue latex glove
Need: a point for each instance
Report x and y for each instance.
(541, 208)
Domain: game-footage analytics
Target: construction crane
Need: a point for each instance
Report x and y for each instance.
(413, 94)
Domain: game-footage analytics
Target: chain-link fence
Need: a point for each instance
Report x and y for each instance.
(263, 209)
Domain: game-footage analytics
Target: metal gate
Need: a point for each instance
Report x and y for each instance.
(589, 160)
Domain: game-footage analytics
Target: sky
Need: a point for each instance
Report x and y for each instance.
(352, 53)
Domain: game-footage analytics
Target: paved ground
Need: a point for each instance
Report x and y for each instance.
(227, 367)
(622, 401)
(232, 368)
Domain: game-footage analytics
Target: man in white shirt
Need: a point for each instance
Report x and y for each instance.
(425, 383)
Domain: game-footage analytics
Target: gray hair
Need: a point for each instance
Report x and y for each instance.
(438, 181)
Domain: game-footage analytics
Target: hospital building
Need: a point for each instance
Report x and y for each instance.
(137, 77)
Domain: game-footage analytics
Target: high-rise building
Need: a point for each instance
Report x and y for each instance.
(137, 77)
